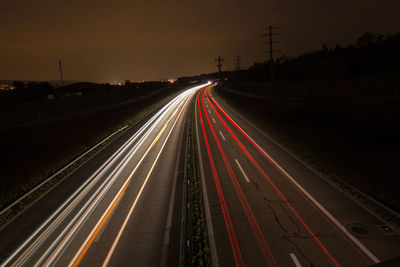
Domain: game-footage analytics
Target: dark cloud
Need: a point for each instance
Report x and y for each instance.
(103, 40)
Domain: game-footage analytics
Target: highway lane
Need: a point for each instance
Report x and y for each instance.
(123, 212)
(267, 208)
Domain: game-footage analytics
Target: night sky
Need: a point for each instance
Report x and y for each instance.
(115, 40)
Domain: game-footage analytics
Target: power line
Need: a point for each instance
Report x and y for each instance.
(61, 73)
(219, 61)
(269, 34)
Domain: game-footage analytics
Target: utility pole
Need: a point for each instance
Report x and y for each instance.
(219, 61)
(238, 61)
(269, 33)
(61, 73)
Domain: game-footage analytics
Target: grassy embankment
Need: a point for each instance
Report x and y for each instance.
(346, 130)
(39, 111)
(32, 153)
(196, 230)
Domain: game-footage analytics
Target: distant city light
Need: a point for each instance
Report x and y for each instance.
(6, 87)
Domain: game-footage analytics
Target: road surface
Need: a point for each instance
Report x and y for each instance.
(122, 208)
(263, 206)
(266, 208)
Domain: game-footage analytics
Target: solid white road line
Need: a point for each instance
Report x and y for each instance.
(222, 135)
(295, 260)
(241, 169)
(110, 205)
(79, 219)
(316, 203)
(111, 251)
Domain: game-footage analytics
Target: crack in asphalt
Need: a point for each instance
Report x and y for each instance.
(277, 218)
(298, 249)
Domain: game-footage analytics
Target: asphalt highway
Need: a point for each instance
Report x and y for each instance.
(263, 206)
(124, 210)
(266, 208)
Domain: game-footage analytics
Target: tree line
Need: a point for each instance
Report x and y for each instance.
(372, 54)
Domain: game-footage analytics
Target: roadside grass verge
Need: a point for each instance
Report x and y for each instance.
(31, 154)
(198, 252)
(352, 143)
